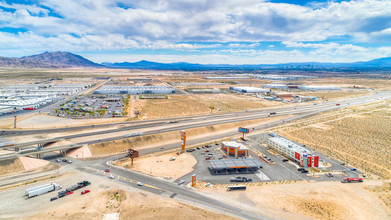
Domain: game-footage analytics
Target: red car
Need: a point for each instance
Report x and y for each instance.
(337, 104)
(85, 191)
(69, 193)
(107, 170)
(206, 150)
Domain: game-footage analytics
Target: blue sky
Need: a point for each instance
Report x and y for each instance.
(199, 31)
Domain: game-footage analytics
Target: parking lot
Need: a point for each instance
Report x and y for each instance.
(91, 107)
(278, 168)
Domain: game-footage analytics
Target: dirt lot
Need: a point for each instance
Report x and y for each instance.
(24, 164)
(359, 135)
(161, 166)
(105, 197)
(320, 200)
(186, 105)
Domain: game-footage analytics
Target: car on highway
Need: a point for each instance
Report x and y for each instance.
(140, 184)
(107, 170)
(342, 164)
(111, 177)
(58, 160)
(181, 182)
(337, 104)
(85, 191)
(353, 169)
(69, 193)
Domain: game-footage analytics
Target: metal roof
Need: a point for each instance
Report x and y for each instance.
(234, 163)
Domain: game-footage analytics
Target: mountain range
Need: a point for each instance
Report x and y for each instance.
(49, 60)
(68, 60)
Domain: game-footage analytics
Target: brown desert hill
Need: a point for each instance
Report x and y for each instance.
(56, 59)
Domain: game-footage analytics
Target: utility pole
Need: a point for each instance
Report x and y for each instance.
(15, 121)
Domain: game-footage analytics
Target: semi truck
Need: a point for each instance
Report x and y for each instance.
(351, 180)
(42, 189)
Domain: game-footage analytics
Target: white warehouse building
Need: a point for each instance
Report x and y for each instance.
(134, 90)
(248, 89)
(315, 87)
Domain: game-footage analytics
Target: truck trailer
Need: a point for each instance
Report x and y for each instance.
(351, 180)
(35, 188)
(42, 190)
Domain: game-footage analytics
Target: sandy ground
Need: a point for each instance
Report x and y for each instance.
(161, 166)
(301, 200)
(36, 121)
(82, 152)
(25, 164)
(106, 197)
(30, 163)
(155, 140)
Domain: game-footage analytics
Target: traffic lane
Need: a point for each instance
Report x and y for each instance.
(189, 193)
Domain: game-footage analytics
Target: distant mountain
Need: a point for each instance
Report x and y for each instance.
(383, 63)
(49, 60)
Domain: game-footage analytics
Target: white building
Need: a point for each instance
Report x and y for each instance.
(293, 151)
(134, 90)
(248, 89)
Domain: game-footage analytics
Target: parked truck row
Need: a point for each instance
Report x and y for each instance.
(39, 190)
(69, 190)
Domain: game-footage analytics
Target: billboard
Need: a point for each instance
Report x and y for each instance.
(316, 161)
(132, 153)
(244, 130)
(183, 139)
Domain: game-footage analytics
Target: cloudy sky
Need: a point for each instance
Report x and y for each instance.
(199, 31)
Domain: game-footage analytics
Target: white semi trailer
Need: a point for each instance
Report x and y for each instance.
(35, 188)
(43, 189)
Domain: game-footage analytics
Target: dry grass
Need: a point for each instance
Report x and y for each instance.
(186, 105)
(383, 192)
(331, 95)
(11, 166)
(361, 137)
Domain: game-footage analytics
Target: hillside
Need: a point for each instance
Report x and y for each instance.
(48, 60)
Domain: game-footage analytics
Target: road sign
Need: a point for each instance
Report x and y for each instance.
(183, 139)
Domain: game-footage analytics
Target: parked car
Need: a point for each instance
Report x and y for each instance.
(285, 160)
(329, 175)
(69, 193)
(61, 195)
(181, 182)
(304, 171)
(64, 160)
(85, 191)
(107, 170)
(69, 161)
(172, 158)
(300, 169)
(54, 198)
(58, 160)
(198, 148)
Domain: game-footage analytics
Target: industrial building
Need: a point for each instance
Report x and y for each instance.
(134, 90)
(248, 89)
(280, 77)
(234, 148)
(293, 151)
(227, 77)
(234, 166)
(315, 87)
(275, 86)
(302, 87)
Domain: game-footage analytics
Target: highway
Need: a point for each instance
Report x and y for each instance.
(199, 121)
(172, 190)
